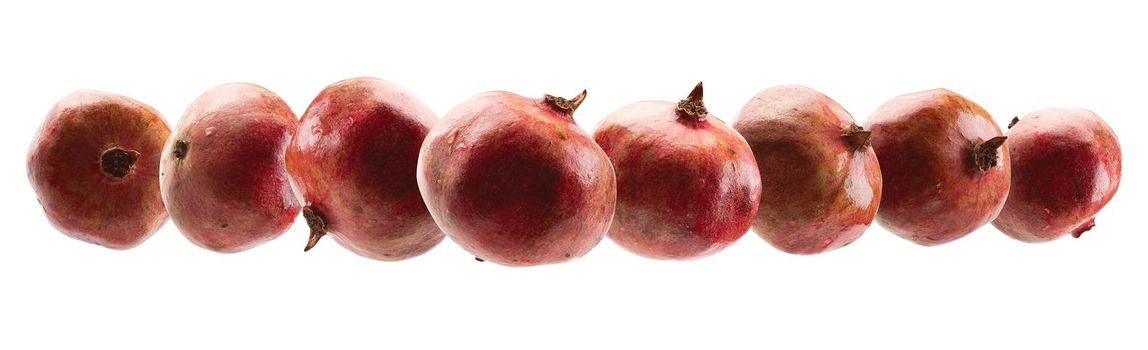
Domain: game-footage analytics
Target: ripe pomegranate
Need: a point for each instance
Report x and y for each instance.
(94, 165)
(222, 174)
(353, 160)
(945, 173)
(1065, 167)
(514, 181)
(687, 183)
(821, 184)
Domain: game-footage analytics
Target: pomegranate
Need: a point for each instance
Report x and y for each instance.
(222, 175)
(687, 183)
(821, 184)
(1065, 167)
(514, 181)
(353, 161)
(945, 173)
(94, 165)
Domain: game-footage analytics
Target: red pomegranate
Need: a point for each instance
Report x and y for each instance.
(687, 183)
(821, 184)
(1065, 167)
(353, 161)
(222, 176)
(514, 181)
(94, 165)
(945, 173)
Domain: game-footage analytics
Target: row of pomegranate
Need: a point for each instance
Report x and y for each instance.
(513, 180)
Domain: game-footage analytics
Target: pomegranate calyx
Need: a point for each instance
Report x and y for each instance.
(180, 149)
(692, 107)
(1080, 230)
(118, 162)
(317, 225)
(985, 153)
(856, 137)
(566, 105)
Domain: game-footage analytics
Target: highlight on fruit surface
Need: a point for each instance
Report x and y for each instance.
(353, 160)
(821, 182)
(514, 181)
(1066, 166)
(94, 165)
(944, 171)
(223, 178)
(687, 184)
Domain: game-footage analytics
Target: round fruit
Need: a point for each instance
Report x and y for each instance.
(353, 160)
(94, 165)
(821, 184)
(687, 183)
(514, 181)
(1065, 168)
(945, 173)
(222, 177)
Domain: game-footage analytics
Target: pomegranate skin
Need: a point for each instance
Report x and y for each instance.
(94, 165)
(821, 182)
(353, 160)
(944, 172)
(1065, 167)
(514, 181)
(222, 174)
(687, 184)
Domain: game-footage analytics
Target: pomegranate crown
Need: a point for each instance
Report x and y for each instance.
(692, 107)
(566, 105)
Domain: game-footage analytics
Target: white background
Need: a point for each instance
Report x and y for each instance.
(983, 291)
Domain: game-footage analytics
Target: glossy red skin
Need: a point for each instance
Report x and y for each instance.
(514, 181)
(1065, 166)
(818, 192)
(686, 188)
(230, 191)
(353, 161)
(933, 191)
(79, 198)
